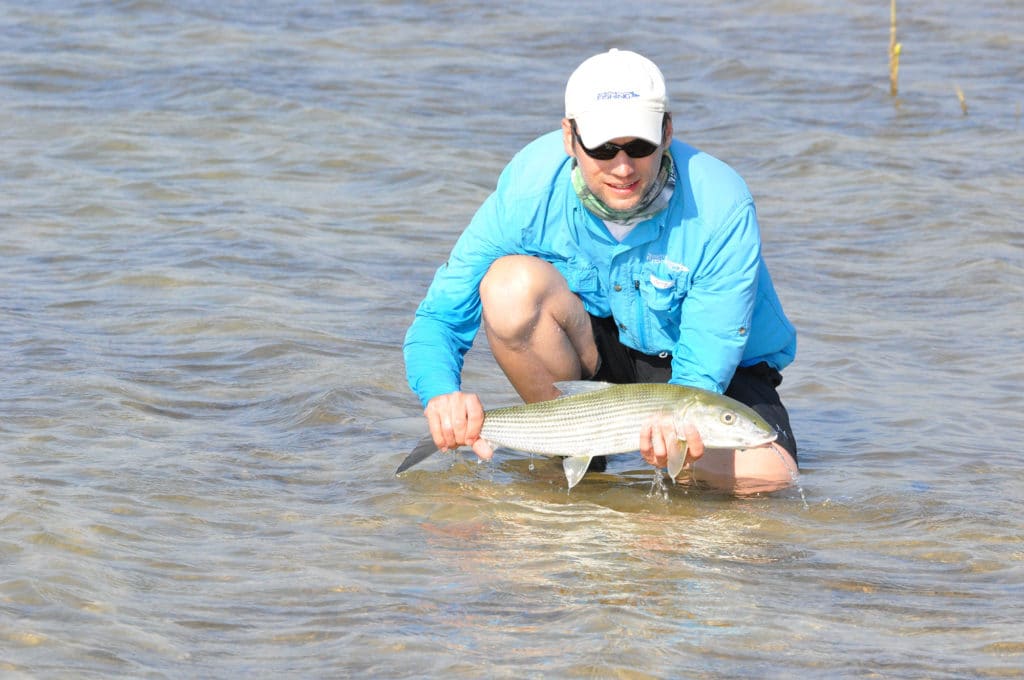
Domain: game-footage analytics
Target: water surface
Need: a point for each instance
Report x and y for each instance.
(217, 223)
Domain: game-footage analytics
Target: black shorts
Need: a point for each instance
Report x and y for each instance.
(751, 385)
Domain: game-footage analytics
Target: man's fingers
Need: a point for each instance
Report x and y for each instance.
(454, 419)
(439, 419)
(658, 441)
(694, 444)
(434, 425)
(646, 443)
(457, 422)
(482, 448)
(659, 449)
(474, 420)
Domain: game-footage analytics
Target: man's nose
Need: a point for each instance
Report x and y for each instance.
(623, 164)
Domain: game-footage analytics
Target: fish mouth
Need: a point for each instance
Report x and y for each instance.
(767, 439)
(763, 441)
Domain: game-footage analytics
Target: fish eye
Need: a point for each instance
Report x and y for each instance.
(728, 417)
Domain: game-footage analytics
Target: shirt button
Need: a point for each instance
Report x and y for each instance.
(622, 326)
(618, 288)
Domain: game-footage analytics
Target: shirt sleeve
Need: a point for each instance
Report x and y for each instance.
(448, 319)
(717, 310)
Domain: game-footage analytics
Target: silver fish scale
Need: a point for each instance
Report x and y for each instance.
(596, 423)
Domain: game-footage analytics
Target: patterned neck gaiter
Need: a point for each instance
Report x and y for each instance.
(654, 201)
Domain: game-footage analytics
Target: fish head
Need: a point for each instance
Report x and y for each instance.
(723, 422)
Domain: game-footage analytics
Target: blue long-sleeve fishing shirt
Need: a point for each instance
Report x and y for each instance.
(689, 282)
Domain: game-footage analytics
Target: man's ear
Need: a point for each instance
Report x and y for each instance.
(567, 140)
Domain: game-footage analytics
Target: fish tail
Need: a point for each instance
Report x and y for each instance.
(423, 450)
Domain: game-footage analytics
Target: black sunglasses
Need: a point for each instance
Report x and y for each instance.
(638, 148)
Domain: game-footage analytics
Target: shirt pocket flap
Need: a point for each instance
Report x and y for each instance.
(579, 274)
(661, 287)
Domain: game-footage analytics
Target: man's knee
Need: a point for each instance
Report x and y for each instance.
(514, 291)
(520, 278)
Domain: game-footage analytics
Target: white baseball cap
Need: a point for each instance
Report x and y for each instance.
(617, 93)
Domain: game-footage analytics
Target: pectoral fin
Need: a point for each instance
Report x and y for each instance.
(675, 462)
(575, 468)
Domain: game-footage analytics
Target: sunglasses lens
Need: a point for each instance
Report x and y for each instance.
(604, 152)
(639, 148)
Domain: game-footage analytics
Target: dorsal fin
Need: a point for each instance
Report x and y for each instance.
(570, 388)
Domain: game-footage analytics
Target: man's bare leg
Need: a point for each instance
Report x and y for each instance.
(538, 329)
(746, 471)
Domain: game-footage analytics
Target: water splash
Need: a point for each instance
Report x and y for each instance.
(658, 486)
(794, 475)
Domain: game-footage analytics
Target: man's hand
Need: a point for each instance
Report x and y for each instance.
(455, 420)
(659, 441)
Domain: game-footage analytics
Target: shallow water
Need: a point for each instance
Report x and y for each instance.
(217, 223)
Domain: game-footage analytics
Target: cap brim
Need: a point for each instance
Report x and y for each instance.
(597, 127)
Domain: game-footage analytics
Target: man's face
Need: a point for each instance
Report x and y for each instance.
(619, 182)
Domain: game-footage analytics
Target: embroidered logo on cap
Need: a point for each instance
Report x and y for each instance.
(612, 94)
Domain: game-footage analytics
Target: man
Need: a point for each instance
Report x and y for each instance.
(610, 252)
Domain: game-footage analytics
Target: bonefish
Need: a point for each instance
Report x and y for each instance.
(599, 419)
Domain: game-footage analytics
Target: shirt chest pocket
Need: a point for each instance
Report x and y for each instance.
(661, 288)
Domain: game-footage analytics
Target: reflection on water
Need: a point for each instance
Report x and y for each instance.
(217, 223)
